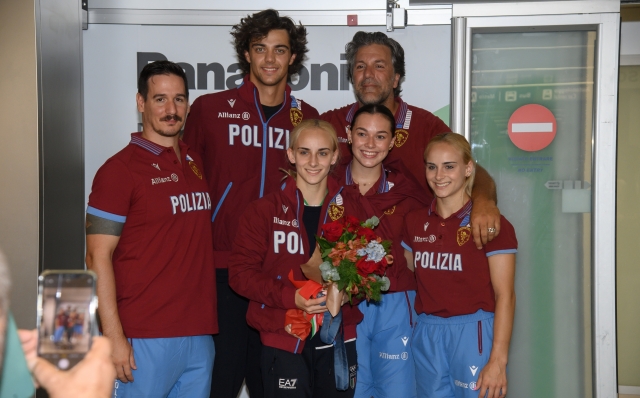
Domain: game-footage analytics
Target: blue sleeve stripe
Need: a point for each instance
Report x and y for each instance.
(224, 196)
(107, 216)
(506, 251)
(406, 247)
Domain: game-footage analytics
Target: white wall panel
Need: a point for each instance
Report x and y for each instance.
(110, 73)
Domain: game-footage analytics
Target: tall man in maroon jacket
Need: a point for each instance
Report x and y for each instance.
(376, 69)
(242, 134)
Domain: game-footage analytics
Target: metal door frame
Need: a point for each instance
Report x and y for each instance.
(604, 18)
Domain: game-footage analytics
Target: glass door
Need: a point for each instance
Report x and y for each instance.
(541, 162)
(530, 108)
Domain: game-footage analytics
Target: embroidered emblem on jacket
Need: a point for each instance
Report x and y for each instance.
(296, 116)
(463, 235)
(195, 170)
(335, 211)
(402, 136)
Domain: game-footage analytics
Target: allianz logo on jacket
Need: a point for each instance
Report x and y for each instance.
(161, 180)
(192, 201)
(293, 223)
(229, 115)
(385, 355)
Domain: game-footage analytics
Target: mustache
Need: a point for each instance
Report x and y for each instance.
(171, 117)
(369, 81)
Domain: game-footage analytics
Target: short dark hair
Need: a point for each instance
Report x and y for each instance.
(376, 109)
(160, 68)
(361, 39)
(257, 26)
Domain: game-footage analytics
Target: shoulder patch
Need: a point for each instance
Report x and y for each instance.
(401, 137)
(335, 211)
(463, 235)
(295, 113)
(296, 116)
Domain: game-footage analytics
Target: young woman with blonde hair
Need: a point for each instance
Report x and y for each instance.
(276, 234)
(465, 299)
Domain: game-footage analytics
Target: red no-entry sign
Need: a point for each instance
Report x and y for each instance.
(532, 127)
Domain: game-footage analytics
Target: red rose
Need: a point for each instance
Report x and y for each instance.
(365, 267)
(352, 223)
(368, 234)
(382, 266)
(351, 220)
(332, 231)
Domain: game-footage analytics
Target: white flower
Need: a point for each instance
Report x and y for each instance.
(329, 272)
(325, 266)
(374, 251)
(372, 222)
(386, 283)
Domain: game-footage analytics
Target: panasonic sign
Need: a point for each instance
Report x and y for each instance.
(231, 76)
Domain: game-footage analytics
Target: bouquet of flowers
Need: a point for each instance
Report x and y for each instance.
(354, 257)
(350, 258)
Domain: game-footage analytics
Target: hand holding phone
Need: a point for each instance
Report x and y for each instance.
(92, 377)
(67, 304)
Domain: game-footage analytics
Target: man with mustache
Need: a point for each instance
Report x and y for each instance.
(149, 241)
(376, 69)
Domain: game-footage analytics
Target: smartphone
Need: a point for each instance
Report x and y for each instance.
(322, 294)
(67, 305)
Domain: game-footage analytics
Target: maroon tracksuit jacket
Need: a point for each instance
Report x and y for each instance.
(242, 152)
(271, 241)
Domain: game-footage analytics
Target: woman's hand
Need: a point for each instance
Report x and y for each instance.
(311, 306)
(493, 380)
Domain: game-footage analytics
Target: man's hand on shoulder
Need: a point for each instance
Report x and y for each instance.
(485, 221)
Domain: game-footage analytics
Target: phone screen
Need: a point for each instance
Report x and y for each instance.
(66, 316)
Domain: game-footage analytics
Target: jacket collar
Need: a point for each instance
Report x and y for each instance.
(464, 213)
(136, 139)
(291, 191)
(249, 92)
(294, 197)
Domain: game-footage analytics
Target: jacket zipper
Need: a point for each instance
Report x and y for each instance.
(265, 128)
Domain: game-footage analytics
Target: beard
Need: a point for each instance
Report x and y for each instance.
(372, 98)
(167, 133)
